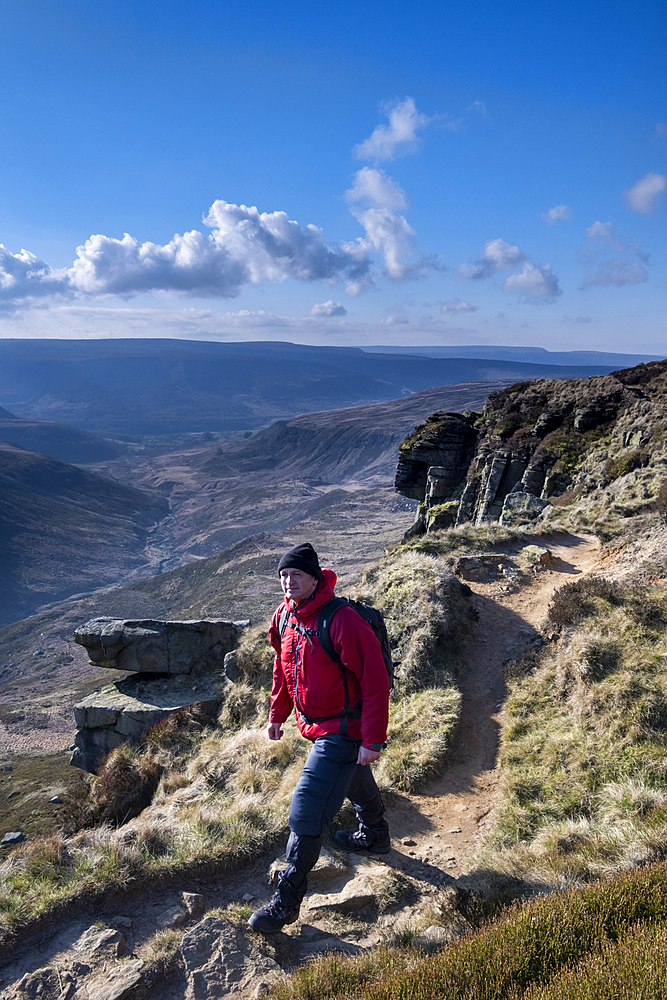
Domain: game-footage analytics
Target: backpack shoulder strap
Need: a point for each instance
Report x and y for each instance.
(282, 625)
(326, 613)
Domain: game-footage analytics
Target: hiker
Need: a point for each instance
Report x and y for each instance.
(342, 710)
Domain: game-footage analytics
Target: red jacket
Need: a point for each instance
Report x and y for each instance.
(305, 677)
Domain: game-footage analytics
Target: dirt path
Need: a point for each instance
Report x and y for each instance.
(446, 822)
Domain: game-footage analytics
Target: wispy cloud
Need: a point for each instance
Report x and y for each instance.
(457, 306)
(610, 259)
(557, 213)
(646, 193)
(398, 137)
(661, 129)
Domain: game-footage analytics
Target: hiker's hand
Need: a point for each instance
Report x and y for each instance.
(274, 731)
(367, 756)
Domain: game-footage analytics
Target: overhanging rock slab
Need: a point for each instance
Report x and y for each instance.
(157, 647)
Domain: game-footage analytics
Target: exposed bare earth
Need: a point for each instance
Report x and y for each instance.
(449, 819)
(444, 824)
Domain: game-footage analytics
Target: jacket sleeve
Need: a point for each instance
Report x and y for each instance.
(356, 644)
(281, 704)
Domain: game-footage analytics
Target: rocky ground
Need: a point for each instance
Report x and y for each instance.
(355, 903)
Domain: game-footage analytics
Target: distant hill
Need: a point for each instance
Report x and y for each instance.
(64, 530)
(526, 355)
(59, 441)
(171, 386)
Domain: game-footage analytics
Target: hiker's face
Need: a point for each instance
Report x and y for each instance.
(296, 584)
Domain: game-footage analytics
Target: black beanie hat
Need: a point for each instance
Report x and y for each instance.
(302, 557)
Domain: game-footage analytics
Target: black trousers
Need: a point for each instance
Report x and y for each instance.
(330, 774)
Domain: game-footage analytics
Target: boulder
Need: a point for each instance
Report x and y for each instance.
(220, 959)
(9, 839)
(121, 982)
(518, 508)
(359, 892)
(441, 516)
(157, 647)
(327, 866)
(537, 555)
(129, 707)
(108, 939)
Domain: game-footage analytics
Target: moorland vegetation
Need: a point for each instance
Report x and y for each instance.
(568, 894)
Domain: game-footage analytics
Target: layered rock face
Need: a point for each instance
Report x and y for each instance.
(174, 665)
(433, 461)
(531, 443)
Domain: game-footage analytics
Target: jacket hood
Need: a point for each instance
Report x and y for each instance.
(323, 593)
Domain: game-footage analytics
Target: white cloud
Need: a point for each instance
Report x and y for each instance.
(374, 187)
(537, 284)
(609, 259)
(244, 247)
(661, 129)
(457, 306)
(398, 137)
(329, 308)
(644, 195)
(375, 200)
(497, 256)
(396, 319)
(556, 213)
(23, 275)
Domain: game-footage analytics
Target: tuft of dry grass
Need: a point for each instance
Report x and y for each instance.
(585, 743)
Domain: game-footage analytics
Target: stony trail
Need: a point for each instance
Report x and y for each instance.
(435, 836)
(448, 820)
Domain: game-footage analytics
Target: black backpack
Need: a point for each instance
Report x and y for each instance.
(326, 613)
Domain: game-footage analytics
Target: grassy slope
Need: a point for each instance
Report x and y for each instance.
(209, 800)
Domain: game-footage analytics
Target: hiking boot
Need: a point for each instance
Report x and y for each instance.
(374, 841)
(274, 916)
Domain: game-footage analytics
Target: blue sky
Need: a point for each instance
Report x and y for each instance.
(347, 173)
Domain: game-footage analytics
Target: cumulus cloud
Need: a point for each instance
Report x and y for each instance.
(610, 259)
(23, 275)
(377, 202)
(496, 256)
(244, 247)
(556, 213)
(536, 284)
(396, 138)
(329, 308)
(644, 195)
(457, 306)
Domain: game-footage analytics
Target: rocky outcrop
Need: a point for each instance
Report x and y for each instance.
(446, 442)
(530, 444)
(124, 710)
(156, 647)
(176, 665)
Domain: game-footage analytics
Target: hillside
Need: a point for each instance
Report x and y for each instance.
(169, 386)
(526, 755)
(59, 441)
(63, 530)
